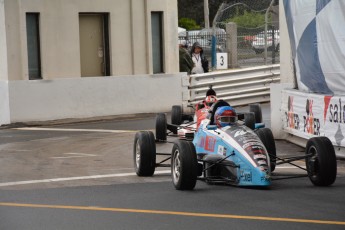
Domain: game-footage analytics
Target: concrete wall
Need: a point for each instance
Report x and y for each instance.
(5, 117)
(90, 97)
(4, 96)
(3, 44)
(286, 63)
(286, 77)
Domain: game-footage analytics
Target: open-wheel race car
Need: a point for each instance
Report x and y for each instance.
(240, 152)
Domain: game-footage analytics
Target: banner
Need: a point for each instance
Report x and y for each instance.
(308, 115)
(316, 33)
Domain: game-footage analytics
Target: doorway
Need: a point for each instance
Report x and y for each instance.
(94, 44)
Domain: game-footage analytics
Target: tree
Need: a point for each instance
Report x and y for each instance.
(194, 9)
(249, 19)
(188, 24)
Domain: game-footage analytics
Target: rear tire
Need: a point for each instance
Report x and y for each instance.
(256, 109)
(144, 152)
(266, 137)
(161, 127)
(176, 115)
(184, 165)
(249, 120)
(322, 164)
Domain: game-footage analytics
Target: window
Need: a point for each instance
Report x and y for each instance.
(33, 45)
(157, 42)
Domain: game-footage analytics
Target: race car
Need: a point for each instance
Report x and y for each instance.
(240, 153)
(185, 125)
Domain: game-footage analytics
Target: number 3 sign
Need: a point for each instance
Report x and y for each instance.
(222, 61)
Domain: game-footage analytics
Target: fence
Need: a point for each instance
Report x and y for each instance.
(257, 33)
(250, 47)
(239, 87)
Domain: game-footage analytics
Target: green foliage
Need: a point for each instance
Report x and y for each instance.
(249, 19)
(188, 24)
(195, 8)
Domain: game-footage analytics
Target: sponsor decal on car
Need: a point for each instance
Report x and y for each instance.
(246, 175)
(260, 156)
(262, 162)
(246, 140)
(253, 145)
(259, 151)
(210, 143)
(240, 133)
(266, 178)
(222, 150)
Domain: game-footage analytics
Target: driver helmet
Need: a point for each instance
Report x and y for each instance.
(210, 100)
(224, 116)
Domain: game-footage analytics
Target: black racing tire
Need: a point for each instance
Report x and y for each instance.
(256, 109)
(161, 127)
(144, 152)
(249, 120)
(176, 115)
(266, 137)
(184, 165)
(322, 162)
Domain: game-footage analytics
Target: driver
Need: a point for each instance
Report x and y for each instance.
(210, 100)
(224, 116)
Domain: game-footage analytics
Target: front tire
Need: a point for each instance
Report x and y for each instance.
(144, 152)
(321, 161)
(267, 139)
(184, 165)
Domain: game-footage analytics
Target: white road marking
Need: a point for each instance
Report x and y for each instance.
(20, 150)
(75, 178)
(287, 167)
(76, 130)
(75, 155)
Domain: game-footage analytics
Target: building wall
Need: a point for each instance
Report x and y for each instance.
(63, 93)
(4, 96)
(130, 26)
(3, 44)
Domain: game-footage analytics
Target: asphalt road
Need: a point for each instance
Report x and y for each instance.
(80, 176)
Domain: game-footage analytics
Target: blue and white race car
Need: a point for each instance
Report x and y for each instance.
(242, 153)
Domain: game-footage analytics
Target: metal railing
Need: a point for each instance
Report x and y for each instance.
(238, 87)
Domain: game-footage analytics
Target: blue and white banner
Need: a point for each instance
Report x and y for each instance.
(317, 36)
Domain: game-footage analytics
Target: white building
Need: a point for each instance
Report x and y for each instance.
(85, 58)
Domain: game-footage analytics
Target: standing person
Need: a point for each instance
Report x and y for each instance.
(186, 62)
(200, 61)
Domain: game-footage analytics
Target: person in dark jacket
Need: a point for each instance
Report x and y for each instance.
(186, 62)
(200, 61)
